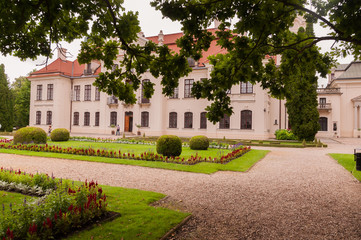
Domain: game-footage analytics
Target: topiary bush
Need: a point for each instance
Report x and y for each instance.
(284, 134)
(30, 135)
(59, 134)
(169, 145)
(199, 143)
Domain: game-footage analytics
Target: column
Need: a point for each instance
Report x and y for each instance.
(355, 116)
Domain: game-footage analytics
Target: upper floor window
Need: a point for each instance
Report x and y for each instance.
(97, 94)
(203, 120)
(50, 91)
(322, 102)
(173, 120)
(49, 118)
(188, 84)
(323, 124)
(87, 93)
(175, 93)
(144, 99)
(97, 116)
(39, 92)
(77, 92)
(145, 119)
(113, 118)
(246, 119)
(38, 118)
(76, 118)
(246, 87)
(188, 120)
(224, 123)
(86, 118)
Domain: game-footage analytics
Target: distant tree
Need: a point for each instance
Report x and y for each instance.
(21, 91)
(6, 102)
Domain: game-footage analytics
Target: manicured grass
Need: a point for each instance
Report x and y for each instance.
(15, 199)
(139, 148)
(240, 164)
(138, 220)
(347, 161)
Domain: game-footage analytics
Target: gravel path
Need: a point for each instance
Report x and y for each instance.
(291, 194)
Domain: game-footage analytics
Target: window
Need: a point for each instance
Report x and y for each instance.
(322, 102)
(224, 122)
(86, 118)
(203, 120)
(77, 92)
(175, 93)
(173, 120)
(188, 84)
(97, 94)
(38, 118)
(50, 91)
(39, 92)
(113, 118)
(323, 124)
(97, 116)
(246, 87)
(246, 119)
(87, 93)
(188, 120)
(145, 119)
(76, 118)
(49, 118)
(144, 99)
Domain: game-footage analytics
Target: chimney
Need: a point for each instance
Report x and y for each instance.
(62, 53)
(160, 37)
(216, 23)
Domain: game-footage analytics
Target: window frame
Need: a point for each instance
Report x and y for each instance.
(142, 97)
(223, 123)
(246, 88)
(97, 94)
(323, 121)
(49, 118)
(50, 92)
(188, 120)
(76, 118)
(113, 118)
(246, 119)
(173, 120)
(39, 92)
(188, 85)
(203, 120)
(77, 92)
(38, 118)
(86, 118)
(175, 93)
(144, 116)
(97, 119)
(87, 92)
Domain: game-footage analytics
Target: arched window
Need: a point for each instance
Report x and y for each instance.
(113, 118)
(38, 118)
(323, 123)
(224, 123)
(188, 120)
(76, 118)
(87, 119)
(173, 120)
(203, 120)
(246, 119)
(145, 119)
(49, 118)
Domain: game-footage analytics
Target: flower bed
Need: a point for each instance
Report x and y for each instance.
(63, 209)
(238, 151)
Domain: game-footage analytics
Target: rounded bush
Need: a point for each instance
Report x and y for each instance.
(169, 145)
(199, 143)
(30, 135)
(59, 134)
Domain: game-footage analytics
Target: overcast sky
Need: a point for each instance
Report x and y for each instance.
(151, 23)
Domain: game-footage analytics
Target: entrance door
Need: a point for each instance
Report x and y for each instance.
(128, 122)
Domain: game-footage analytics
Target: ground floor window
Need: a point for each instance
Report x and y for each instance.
(49, 118)
(323, 123)
(246, 119)
(38, 118)
(173, 120)
(87, 119)
(224, 123)
(188, 120)
(76, 118)
(97, 116)
(203, 120)
(145, 119)
(113, 118)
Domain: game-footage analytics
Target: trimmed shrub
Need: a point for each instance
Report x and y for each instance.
(60, 134)
(30, 135)
(199, 143)
(284, 134)
(169, 145)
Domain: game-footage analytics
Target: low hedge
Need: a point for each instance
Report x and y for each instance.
(169, 145)
(59, 134)
(199, 143)
(30, 135)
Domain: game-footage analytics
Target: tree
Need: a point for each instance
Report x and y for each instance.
(21, 92)
(6, 99)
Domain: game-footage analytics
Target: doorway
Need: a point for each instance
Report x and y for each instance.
(128, 122)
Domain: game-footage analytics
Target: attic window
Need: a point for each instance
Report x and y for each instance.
(88, 70)
(191, 62)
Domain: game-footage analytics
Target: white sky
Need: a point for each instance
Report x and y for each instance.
(151, 22)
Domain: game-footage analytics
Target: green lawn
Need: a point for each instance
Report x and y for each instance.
(240, 164)
(138, 220)
(347, 161)
(15, 199)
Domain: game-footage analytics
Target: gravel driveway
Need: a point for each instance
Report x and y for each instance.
(290, 194)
